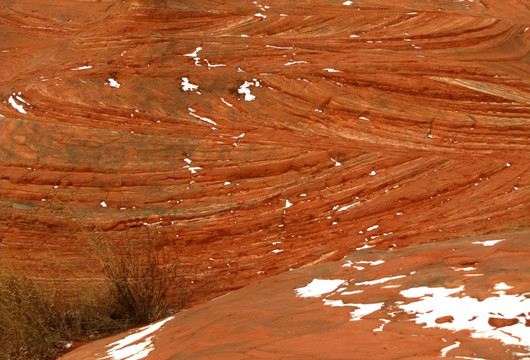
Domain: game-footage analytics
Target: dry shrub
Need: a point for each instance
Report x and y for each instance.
(28, 324)
(139, 286)
(38, 322)
(141, 283)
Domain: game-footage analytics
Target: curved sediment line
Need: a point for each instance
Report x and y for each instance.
(407, 117)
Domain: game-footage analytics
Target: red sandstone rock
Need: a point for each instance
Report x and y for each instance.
(501, 322)
(430, 98)
(413, 116)
(445, 319)
(367, 311)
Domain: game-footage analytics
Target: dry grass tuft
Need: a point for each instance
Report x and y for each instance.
(38, 320)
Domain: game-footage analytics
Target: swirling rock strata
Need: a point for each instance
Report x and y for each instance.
(257, 137)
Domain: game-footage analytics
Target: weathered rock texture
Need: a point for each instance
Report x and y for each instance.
(311, 122)
(370, 313)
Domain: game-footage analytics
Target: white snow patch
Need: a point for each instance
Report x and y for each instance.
(288, 204)
(365, 246)
(16, 106)
(348, 206)
(19, 98)
(391, 286)
(113, 83)
(352, 292)
(244, 89)
(82, 67)
(226, 102)
(372, 173)
(502, 286)
(193, 170)
(201, 117)
(487, 242)
(470, 313)
(260, 15)
(445, 350)
(347, 3)
(380, 328)
(371, 263)
(363, 310)
(103, 204)
(132, 352)
(435, 292)
(470, 268)
(318, 287)
(280, 47)
(277, 251)
(336, 162)
(295, 62)
(213, 65)
(336, 303)
(372, 228)
(128, 348)
(380, 281)
(187, 86)
(331, 70)
(364, 118)
(194, 54)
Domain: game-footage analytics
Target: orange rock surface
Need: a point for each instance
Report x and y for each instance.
(255, 137)
(383, 305)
